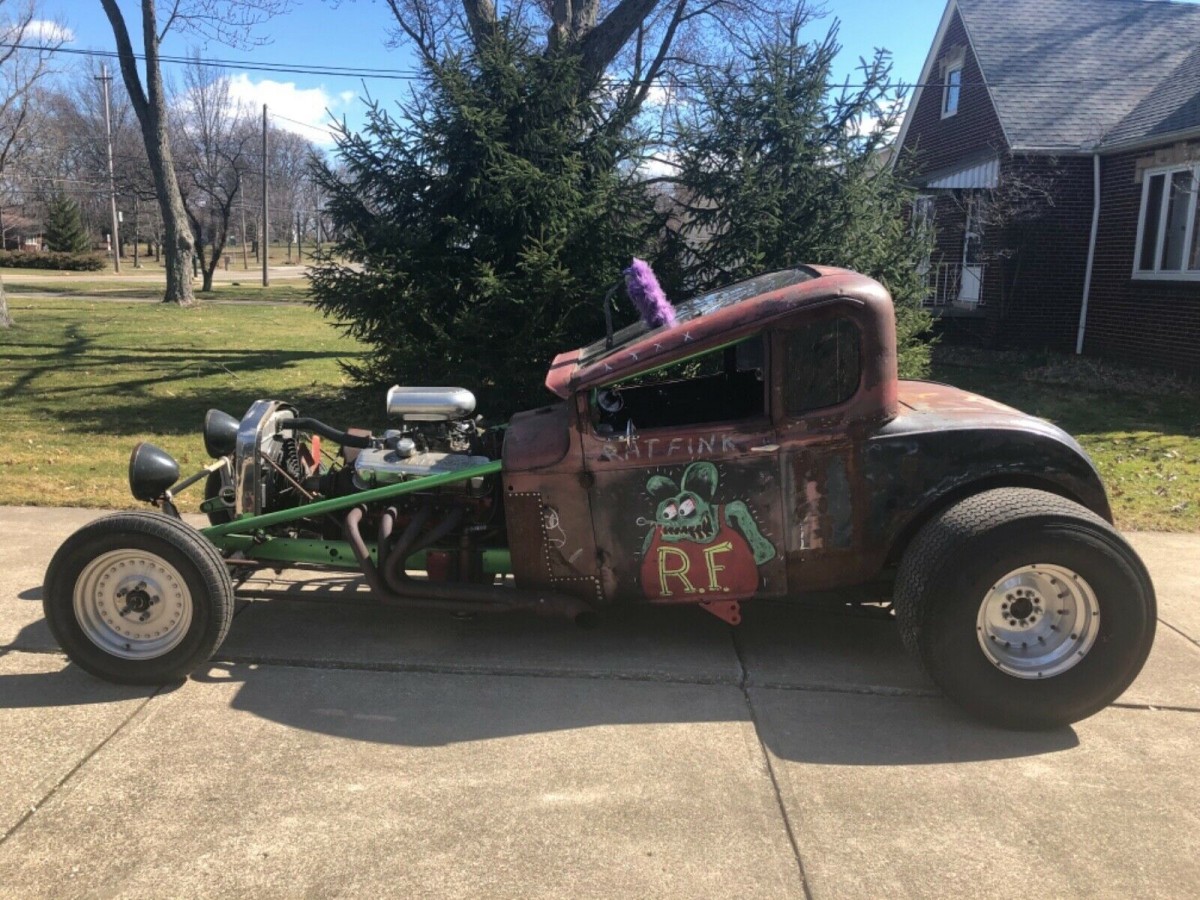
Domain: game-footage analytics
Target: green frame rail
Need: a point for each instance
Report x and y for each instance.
(338, 555)
(336, 504)
(246, 534)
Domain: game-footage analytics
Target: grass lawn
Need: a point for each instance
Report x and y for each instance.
(289, 291)
(81, 382)
(1142, 429)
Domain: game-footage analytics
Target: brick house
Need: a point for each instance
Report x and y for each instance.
(1056, 147)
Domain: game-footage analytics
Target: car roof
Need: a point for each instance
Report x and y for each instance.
(709, 321)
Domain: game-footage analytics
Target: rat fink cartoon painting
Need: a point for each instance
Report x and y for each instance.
(699, 549)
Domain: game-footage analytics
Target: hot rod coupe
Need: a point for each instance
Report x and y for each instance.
(754, 443)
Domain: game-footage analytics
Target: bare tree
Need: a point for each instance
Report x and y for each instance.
(227, 21)
(638, 45)
(216, 141)
(72, 154)
(290, 184)
(21, 68)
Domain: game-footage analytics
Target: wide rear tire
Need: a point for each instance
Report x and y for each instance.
(1025, 608)
(138, 598)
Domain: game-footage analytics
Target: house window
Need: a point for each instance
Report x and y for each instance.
(1168, 240)
(921, 224)
(951, 89)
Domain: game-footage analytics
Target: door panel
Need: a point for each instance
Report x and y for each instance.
(688, 514)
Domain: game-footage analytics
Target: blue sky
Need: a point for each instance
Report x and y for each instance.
(353, 33)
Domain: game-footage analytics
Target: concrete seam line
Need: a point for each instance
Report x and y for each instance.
(1187, 637)
(443, 669)
(1156, 707)
(79, 765)
(865, 690)
(762, 748)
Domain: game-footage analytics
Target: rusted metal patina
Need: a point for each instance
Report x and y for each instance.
(782, 502)
(760, 446)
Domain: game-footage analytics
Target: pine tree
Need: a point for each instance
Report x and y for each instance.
(777, 170)
(64, 227)
(481, 229)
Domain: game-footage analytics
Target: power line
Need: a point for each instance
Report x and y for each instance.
(283, 68)
(327, 131)
(414, 75)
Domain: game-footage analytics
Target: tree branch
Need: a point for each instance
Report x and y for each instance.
(133, 81)
(604, 42)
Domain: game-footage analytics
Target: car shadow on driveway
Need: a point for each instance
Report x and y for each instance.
(819, 687)
(831, 689)
(68, 686)
(433, 709)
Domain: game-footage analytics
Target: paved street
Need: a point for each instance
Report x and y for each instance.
(354, 751)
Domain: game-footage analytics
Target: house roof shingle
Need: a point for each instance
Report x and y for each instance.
(1074, 74)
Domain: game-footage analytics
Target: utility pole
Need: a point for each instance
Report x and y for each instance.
(265, 227)
(317, 212)
(104, 79)
(242, 207)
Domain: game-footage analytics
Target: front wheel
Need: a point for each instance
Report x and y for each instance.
(138, 598)
(1025, 608)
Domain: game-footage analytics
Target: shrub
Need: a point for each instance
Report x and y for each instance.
(68, 262)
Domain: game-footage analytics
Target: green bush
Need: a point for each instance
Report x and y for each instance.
(480, 230)
(69, 262)
(782, 167)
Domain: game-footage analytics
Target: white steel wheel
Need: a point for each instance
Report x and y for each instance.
(138, 598)
(132, 604)
(1025, 608)
(1038, 621)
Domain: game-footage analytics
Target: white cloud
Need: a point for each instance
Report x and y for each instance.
(662, 164)
(46, 31)
(308, 108)
(869, 123)
(40, 31)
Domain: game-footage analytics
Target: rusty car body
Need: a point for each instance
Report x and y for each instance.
(760, 447)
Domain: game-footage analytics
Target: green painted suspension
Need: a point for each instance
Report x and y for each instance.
(250, 524)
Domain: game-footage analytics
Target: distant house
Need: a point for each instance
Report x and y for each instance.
(1056, 145)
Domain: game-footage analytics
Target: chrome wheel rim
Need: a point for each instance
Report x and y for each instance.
(1038, 621)
(132, 604)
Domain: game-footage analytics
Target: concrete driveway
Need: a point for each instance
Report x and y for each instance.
(351, 751)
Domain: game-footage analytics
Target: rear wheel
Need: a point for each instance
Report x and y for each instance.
(138, 598)
(1027, 609)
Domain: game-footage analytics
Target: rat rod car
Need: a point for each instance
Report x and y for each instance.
(758, 444)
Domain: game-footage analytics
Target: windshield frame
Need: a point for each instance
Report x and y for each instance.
(696, 307)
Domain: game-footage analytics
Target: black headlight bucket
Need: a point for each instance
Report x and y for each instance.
(151, 472)
(220, 433)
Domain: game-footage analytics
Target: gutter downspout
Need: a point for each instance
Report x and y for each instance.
(1087, 277)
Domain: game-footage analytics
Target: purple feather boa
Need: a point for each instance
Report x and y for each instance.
(647, 295)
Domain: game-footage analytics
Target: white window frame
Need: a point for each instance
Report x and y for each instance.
(950, 70)
(1158, 273)
(924, 216)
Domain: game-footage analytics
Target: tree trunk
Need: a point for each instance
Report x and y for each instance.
(150, 105)
(6, 320)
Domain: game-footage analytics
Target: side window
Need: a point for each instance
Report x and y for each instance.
(721, 386)
(822, 365)
(951, 89)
